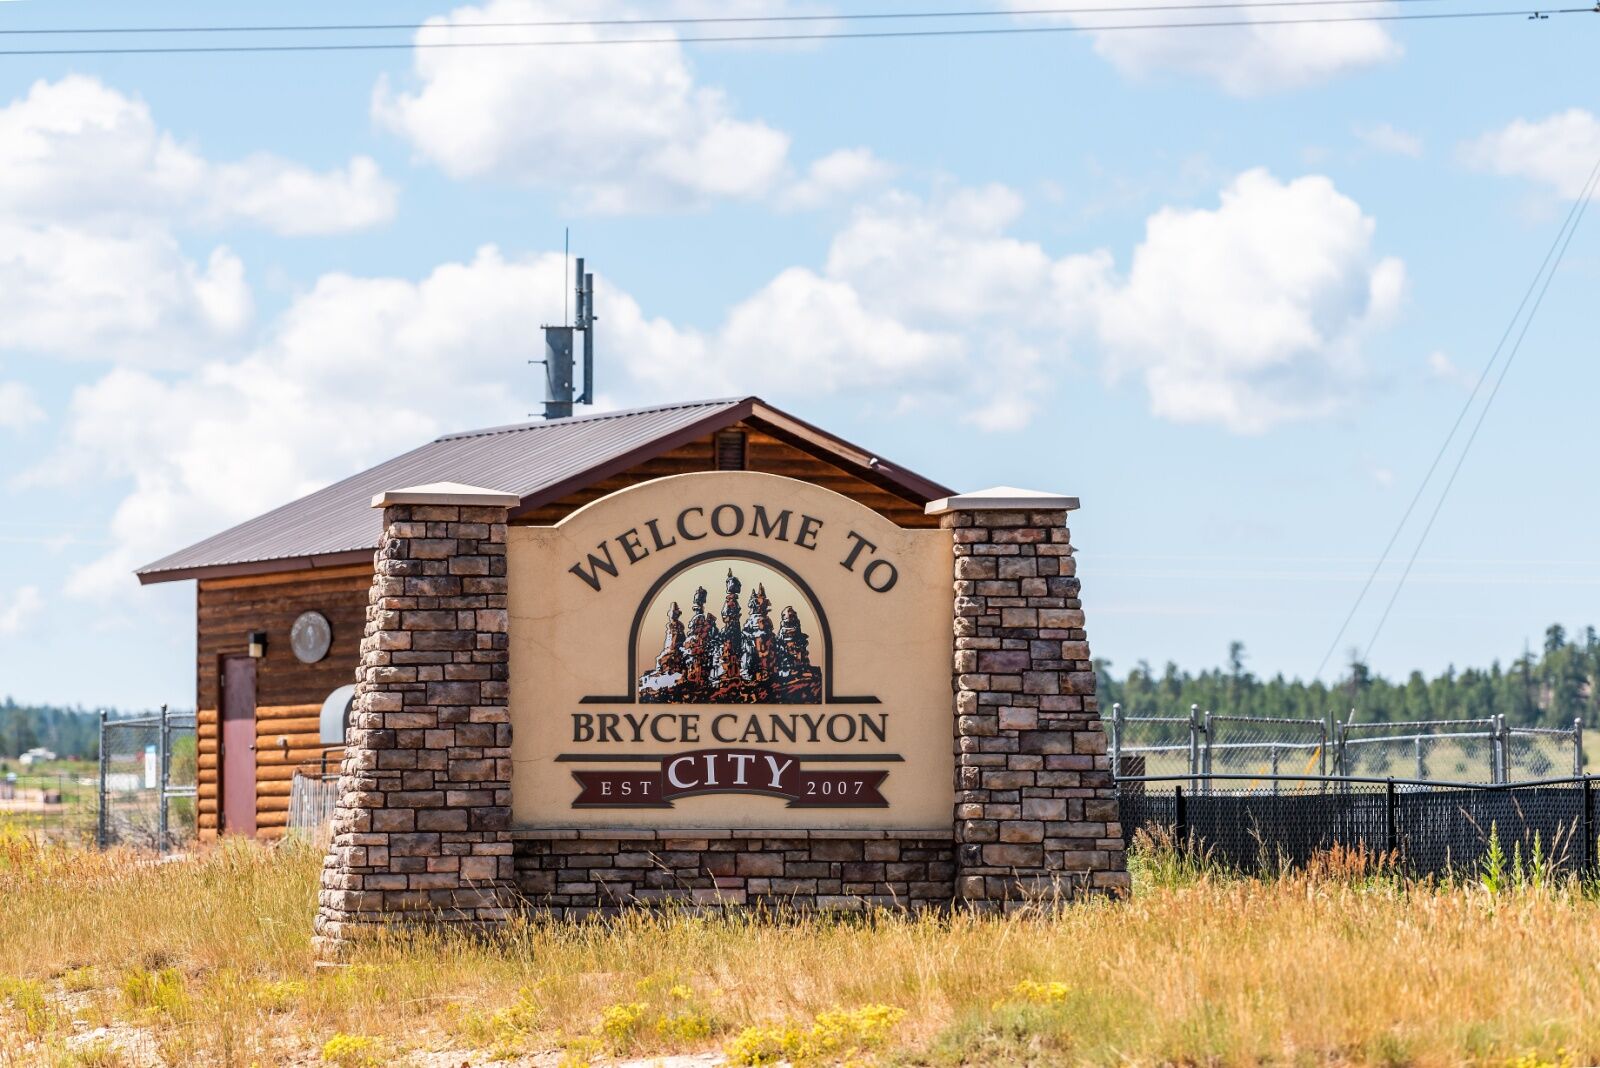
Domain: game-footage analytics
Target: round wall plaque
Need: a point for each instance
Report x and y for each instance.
(310, 637)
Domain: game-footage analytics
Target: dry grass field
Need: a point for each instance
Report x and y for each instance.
(117, 959)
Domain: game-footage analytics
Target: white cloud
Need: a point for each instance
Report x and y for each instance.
(618, 129)
(1386, 138)
(1251, 314)
(17, 608)
(92, 197)
(128, 293)
(1444, 368)
(1560, 151)
(1241, 316)
(838, 174)
(1244, 60)
(18, 407)
(76, 150)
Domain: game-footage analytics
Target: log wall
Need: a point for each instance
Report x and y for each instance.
(289, 694)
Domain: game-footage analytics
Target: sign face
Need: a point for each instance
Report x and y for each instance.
(730, 649)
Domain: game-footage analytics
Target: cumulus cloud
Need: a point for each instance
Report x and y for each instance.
(1245, 60)
(92, 196)
(127, 293)
(838, 174)
(1558, 151)
(1442, 367)
(1389, 139)
(1251, 314)
(1243, 316)
(619, 129)
(18, 407)
(76, 149)
(19, 607)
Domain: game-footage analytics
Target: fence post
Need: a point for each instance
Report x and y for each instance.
(100, 816)
(1180, 816)
(1205, 763)
(1274, 751)
(1588, 824)
(1577, 746)
(1422, 767)
(1389, 816)
(1502, 738)
(166, 773)
(1194, 746)
(1116, 740)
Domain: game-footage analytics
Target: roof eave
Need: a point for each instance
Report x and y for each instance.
(870, 465)
(317, 562)
(716, 420)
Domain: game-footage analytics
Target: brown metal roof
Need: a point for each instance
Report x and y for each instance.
(541, 462)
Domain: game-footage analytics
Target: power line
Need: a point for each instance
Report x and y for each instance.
(1444, 447)
(985, 31)
(1576, 217)
(697, 20)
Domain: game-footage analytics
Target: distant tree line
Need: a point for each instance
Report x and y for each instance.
(1549, 687)
(71, 733)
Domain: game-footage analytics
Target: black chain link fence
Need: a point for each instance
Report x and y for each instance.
(1428, 828)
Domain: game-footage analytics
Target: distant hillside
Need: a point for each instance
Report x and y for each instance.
(1549, 687)
(71, 733)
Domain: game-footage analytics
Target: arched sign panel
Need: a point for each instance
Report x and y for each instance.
(730, 649)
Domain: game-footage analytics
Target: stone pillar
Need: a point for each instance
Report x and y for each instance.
(1036, 807)
(420, 831)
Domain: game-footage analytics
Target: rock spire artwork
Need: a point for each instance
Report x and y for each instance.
(719, 660)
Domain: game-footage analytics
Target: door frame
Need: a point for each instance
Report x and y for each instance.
(247, 825)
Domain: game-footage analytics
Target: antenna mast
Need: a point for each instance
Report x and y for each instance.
(558, 353)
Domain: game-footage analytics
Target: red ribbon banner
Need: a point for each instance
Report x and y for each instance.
(730, 771)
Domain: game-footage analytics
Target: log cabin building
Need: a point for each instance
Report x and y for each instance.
(281, 599)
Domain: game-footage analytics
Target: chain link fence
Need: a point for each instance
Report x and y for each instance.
(57, 807)
(1422, 827)
(146, 795)
(1459, 750)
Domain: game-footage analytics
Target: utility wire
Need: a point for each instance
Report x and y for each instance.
(693, 20)
(1582, 206)
(986, 31)
(1444, 446)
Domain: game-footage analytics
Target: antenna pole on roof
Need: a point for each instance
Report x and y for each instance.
(558, 353)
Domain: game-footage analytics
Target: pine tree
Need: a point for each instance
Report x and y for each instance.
(732, 636)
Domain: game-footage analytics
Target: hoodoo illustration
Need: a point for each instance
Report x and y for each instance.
(719, 660)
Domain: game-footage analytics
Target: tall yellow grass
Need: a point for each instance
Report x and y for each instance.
(207, 960)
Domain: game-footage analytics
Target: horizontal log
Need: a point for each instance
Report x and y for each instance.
(278, 577)
(301, 727)
(292, 711)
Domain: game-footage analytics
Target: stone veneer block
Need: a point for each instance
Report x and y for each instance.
(421, 831)
(1036, 806)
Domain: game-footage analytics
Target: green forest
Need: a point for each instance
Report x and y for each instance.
(1546, 687)
(70, 733)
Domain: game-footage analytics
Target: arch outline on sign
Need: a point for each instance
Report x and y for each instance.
(828, 696)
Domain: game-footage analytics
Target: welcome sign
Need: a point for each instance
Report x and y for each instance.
(730, 649)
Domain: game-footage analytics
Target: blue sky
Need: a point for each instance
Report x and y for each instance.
(1230, 287)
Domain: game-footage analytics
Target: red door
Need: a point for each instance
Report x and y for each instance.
(239, 745)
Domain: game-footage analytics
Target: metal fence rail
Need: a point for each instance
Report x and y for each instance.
(1428, 827)
(146, 786)
(1468, 750)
